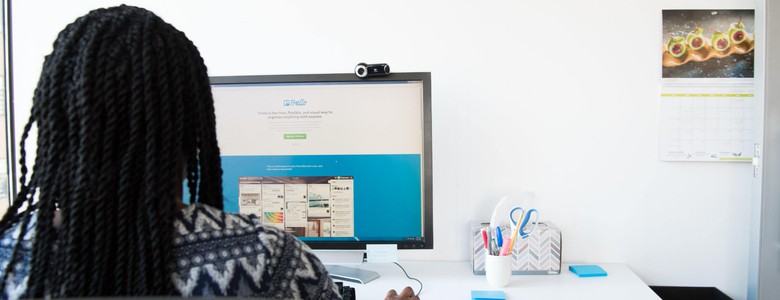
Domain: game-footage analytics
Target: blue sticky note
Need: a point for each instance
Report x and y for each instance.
(587, 270)
(488, 295)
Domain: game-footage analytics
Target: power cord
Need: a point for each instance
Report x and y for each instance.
(412, 278)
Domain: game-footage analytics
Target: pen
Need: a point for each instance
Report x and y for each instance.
(488, 248)
(484, 238)
(499, 239)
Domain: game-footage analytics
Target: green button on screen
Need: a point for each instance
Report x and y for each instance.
(294, 136)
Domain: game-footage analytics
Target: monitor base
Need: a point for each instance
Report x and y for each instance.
(350, 274)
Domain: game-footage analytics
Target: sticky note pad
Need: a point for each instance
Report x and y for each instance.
(488, 295)
(587, 270)
(381, 253)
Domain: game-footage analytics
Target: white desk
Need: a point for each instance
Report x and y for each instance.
(454, 280)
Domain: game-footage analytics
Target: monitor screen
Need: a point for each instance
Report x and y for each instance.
(338, 161)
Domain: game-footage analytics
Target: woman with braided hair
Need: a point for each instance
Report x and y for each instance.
(124, 115)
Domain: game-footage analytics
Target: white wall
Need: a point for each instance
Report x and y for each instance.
(559, 97)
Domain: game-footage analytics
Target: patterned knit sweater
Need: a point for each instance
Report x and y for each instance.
(217, 254)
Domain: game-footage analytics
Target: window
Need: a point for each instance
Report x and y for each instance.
(4, 167)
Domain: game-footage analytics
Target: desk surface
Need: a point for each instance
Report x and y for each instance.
(454, 280)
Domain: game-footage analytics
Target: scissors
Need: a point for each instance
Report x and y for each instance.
(519, 215)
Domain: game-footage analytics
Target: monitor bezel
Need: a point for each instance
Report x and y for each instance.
(425, 78)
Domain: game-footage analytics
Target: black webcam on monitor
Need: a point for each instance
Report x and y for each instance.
(364, 70)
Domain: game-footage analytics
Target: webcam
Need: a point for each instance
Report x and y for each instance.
(364, 70)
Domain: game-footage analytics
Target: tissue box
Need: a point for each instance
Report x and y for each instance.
(539, 253)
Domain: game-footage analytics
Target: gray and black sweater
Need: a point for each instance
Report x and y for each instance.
(217, 254)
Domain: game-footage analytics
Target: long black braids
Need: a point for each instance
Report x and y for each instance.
(123, 107)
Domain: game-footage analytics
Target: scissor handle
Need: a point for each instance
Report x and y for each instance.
(512, 215)
(526, 219)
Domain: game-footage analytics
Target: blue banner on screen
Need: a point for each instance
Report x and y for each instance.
(329, 197)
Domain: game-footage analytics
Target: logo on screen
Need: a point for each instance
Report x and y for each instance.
(300, 102)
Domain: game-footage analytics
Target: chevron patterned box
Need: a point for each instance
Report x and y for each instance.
(539, 253)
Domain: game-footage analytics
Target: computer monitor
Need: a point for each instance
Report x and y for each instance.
(336, 160)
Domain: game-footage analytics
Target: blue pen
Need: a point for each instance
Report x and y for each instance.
(499, 238)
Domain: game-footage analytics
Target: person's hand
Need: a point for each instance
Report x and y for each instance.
(406, 293)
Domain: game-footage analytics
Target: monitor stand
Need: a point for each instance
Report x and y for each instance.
(358, 275)
(342, 265)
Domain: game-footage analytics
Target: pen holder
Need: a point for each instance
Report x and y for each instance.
(538, 254)
(498, 270)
